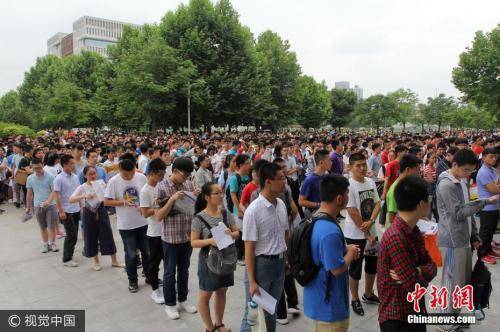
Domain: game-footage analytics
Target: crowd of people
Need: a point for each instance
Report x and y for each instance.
(364, 192)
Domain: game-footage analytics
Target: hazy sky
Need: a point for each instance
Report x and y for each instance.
(379, 45)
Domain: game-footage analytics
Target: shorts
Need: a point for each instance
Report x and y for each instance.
(46, 217)
(320, 326)
(356, 266)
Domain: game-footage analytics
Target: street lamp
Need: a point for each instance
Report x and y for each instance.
(189, 102)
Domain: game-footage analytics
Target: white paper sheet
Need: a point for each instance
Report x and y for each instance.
(427, 227)
(99, 187)
(222, 239)
(266, 301)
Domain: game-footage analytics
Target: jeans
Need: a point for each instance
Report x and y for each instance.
(71, 227)
(487, 227)
(270, 276)
(134, 239)
(176, 257)
(155, 257)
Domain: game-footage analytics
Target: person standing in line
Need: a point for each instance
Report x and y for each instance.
(487, 186)
(65, 185)
(265, 230)
(337, 158)
(156, 174)
(309, 197)
(404, 261)
(203, 174)
(39, 186)
(122, 192)
(98, 235)
(326, 298)
(457, 231)
(176, 234)
(362, 211)
(208, 210)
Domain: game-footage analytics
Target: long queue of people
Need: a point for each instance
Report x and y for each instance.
(169, 192)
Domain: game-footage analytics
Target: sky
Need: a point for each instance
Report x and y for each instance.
(380, 45)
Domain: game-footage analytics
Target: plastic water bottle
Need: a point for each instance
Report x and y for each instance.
(253, 313)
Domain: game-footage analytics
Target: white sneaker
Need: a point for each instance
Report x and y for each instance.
(71, 263)
(157, 296)
(282, 321)
(53, 248)
(188, 307)
(294, 310)
(45, 248)
(172, 312)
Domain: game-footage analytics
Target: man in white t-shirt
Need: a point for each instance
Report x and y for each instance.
(362, 210)
(122, 192)
(156, 173)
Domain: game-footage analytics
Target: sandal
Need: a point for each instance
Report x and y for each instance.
(120, 265)
(217, 327)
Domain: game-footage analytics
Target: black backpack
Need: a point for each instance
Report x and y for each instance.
(230, 205)
(481, 282)
(304, 269)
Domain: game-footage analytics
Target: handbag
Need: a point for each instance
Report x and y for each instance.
(220, 261)
(21, 177)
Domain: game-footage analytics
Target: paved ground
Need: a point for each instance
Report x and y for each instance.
(32, 280)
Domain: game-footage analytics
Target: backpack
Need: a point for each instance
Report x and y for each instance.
(230, 205)
(481, 282)
(219, 261)
(304, 269)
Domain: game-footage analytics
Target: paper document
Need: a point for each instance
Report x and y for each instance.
(427, 227)
(99, 187)
(186, 203)
(266, 301)
(222, 239)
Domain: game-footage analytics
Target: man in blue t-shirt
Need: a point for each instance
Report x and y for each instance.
(309, 197)
(326, 298)
(487, 186)
(92, 157)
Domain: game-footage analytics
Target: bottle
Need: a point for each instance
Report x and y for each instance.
(253, 313)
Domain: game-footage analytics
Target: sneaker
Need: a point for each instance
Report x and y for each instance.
(133, 287)
(241, 262)
(53, 247)
(71, 263)
(488, 260)
(357, 307)
(494, 254)
(188, 307)
(157, 296)
(372, 299)
(45, 248)
(97, 267)
(294, 310)
(282, 321)
(172, 312)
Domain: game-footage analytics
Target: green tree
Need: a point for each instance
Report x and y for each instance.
(313, 101)
(376, 111)
(343, 103)
(11, 109)
(284, 71)
(406, 105)
(438, 108)
(477, 74)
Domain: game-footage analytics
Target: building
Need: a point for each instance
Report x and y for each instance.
(358, 91)
(342, 85)
(345, 85)
(54, 46)
(89, 34)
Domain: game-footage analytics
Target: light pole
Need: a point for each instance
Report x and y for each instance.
(189, 107)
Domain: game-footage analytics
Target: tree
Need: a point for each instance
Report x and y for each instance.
(406, 104)
(343, 103)
(149, 78)
(284, 71)
(376, 111)
(438, 107)
(314, 102)
(477, 74)
(11, 109)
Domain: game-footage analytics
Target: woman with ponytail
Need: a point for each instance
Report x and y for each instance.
(209, 208)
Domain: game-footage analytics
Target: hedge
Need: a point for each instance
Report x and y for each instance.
(10, 129)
